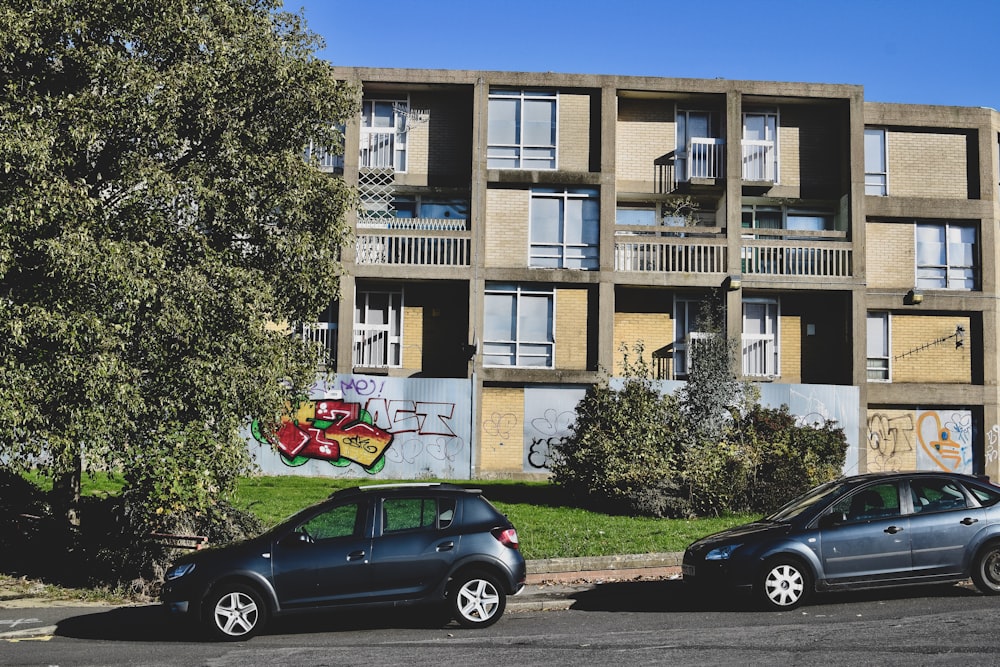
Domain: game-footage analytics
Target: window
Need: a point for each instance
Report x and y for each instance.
(946, 256)
(378, 326)
(937, 495)
(383, 134)
(564, 229)
(400, 514)
(339, 521)
(686, 334)
(874, 502)
(756, 216)
(521, 131)
(428, 208)
(760, 146)
(878, 347)
(876, 174)
(519, 326)
(760, 338)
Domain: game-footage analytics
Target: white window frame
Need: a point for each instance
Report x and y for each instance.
(520, 352)
(711, 159)
(378, 345)
(879, 366)
(683, 339)
(877, 180)
(954, 273)
(501, 155)
(370, 135)
(563, 253)
(768, 363)
(774, 168)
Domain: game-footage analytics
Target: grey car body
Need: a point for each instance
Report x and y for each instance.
(865, 531)
(364, 546)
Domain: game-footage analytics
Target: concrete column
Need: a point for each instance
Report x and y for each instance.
(734, 214)
(605, 329)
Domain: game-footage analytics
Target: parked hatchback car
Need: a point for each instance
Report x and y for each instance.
(865, 531)
(364, 546)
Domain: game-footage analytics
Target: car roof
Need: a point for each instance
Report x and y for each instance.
(406, 488)
(896, 474)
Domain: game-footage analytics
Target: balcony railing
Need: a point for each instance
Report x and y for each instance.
(705, 158)
(429, 248)
(413, 224)
(822, 259)
(326, 160)
(323, 333)
(375, 347)
(760, 357)
(669, 255)
(759, 161)
(378, 148)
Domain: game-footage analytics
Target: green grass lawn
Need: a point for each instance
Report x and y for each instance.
(547, 525)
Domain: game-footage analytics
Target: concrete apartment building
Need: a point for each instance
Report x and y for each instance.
(516, 229)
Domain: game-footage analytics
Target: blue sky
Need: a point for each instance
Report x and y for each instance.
(908, 51)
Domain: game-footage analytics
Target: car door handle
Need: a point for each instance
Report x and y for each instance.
(355, 555)
(892, 530)
(446, 546)
(968, 521)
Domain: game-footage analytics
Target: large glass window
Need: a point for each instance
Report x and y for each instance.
(876, 170)
(760, 146)
(878, 347)
(564, 229)
(946, 256)
(521, 131)
(378, 326)
(519, 326)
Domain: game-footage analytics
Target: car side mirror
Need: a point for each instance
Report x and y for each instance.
(832, 519)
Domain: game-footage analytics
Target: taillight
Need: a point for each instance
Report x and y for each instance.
(507, 537)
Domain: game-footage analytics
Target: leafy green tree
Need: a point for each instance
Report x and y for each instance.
(156, 219)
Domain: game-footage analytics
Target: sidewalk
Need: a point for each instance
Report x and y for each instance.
(552, 583)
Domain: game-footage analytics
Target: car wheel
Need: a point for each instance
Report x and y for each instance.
(784, 584)
(986, 569)
(234, 613)
(477, 600)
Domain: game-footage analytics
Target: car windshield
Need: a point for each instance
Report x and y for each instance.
(807, 500)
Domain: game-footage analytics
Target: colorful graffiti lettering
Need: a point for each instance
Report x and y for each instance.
(888, 437)
(937, 442)
(329, 430)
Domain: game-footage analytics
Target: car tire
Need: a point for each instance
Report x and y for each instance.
(784, 584)
(234, 612)
(477, 599)
(986, 569)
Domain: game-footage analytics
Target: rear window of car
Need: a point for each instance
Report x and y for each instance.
(987, 497)
(399, 514)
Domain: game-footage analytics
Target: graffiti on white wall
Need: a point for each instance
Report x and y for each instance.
(549, 412)
(356, 425)
(920, 439)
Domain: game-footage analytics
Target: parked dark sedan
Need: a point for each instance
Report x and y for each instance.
(867, 531)
(370, 545)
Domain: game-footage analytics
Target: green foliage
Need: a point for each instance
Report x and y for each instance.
(624, 443)
(156, 219)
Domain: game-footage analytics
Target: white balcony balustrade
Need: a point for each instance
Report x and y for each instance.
(378, 149)
(759, 161)
(820, 259)
(399, 246)
(760, 358)
(705, 158)
(376, 347)
(669, 255)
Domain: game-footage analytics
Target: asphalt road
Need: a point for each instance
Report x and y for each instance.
(617, 623)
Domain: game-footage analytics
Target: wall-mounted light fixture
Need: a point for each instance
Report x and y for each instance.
(732, 283)
(914, 297)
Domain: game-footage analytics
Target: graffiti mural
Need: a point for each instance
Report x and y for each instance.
(920, 440)
(328, 430)
(351, 425)
(548, 414)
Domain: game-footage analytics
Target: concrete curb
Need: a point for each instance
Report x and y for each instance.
(602, 563)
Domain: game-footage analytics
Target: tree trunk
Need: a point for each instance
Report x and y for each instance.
(66, 492)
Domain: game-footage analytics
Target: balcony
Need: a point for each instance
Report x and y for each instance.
(413, 242)
(376, 347)
(759, 161)
(651, 254)
(812, 259)
(322, 333)
(378, 149)
(326, 160)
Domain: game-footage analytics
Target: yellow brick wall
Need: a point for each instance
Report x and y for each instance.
(645, 131)
(507, 228)
(788, 154)
(890, 255)
(655, 330)
(924, 164)
(571, 329)
(574, 132)
(790, 349)
(413, 337)
(501, 434)
(917, 357)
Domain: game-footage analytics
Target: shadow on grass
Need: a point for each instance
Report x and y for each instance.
(519, 493)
